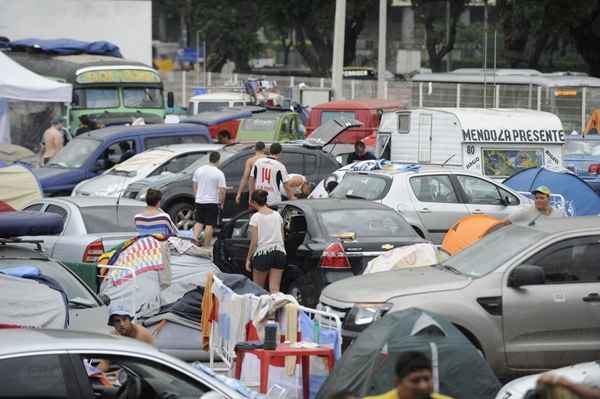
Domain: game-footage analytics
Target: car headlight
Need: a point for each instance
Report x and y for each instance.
(363, 315)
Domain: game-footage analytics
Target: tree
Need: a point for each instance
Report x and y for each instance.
(433, 13)
(585, 32)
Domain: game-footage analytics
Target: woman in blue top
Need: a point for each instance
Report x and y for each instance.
(153, 220)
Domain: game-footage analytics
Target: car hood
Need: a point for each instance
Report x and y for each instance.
(50, 177)
(46, 173)
(105, 185)
(380, 287)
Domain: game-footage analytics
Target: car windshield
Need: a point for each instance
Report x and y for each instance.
(75, 153)
(494, 250)
(75, 290)
(142, 97)
(259, 124)
(326, 116)
(369, 187)
(207, 106)
(109, 218)
(365, 223)
(581, 147)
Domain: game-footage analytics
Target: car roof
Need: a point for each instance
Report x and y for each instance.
(367, 103)
(189, 147)
(326, 204)
(86, 201)
(118, 131)
(568, 224)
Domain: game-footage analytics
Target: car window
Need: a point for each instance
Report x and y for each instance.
(310, 164)
(570, 261)
(293, 161)
(435, 188)
(369, 187)
(33, 377)
(326, 116)
(510, 198)
(110, 219)
(116, 153)
(34, 208)
(178, 164)
(234, 169)
(157, 380)
(58, 210)
(152, 142)
(365, 223)
(479, 191)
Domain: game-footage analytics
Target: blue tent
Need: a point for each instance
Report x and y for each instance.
(569, 192)
(68, 46)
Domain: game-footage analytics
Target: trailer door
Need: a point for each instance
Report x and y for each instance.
(425, 127)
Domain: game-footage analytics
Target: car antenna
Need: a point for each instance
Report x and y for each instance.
(448, 160)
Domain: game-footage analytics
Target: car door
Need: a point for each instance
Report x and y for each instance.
(231, 249)
(557, 323)
(32, 376)
(484, 197)
(436, 202)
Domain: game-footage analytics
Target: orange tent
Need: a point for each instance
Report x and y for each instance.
(468, 231)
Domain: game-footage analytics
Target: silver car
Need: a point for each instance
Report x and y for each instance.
(432, 199)
(527, 296)
(91, 225)
(37, 363)
(170, 159)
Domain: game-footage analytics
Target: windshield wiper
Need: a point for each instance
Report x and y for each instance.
(354, 196)
(451, 269)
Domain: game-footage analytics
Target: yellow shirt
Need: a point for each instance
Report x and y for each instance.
(392, 395)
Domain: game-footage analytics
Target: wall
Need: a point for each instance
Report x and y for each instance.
(126, 23)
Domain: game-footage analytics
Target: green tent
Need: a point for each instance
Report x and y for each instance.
(367, 366)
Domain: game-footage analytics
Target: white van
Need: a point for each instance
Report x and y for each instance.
(216, 101)
(492, 142)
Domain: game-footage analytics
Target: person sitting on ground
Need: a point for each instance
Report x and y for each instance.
(541, 209)
(414, 379)
(259, 152)
(360, 153)
(154, 220)
(266, 255)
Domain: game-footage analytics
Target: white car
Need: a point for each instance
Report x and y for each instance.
(157, 161)
(583, 373)
(431, 199)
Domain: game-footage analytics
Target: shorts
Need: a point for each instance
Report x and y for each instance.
(270, 260)
(207, 214)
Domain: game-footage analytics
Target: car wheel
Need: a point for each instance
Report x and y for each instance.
(182, 214)
(303, 291)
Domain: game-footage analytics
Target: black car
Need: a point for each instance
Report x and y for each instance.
(326, 240)
(307, 158)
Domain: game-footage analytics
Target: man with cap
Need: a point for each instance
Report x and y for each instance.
(121, 319)
(540, 210)
(53, 139)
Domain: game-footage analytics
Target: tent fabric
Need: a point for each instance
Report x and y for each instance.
(468, 231)
(68, 46)
(19, 83)
(416, 255)
(367, 366)
(18, 187)
(4, 122)
(569, 192)
(42, 307)
(10, 153)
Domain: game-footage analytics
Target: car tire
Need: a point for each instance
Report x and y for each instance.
(182, 214)
(303, 291)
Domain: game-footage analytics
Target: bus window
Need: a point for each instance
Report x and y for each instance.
(142, 97)
(95, 98)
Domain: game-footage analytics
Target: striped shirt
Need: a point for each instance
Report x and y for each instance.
(160, 223)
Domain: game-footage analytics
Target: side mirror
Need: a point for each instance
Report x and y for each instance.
(526, 275)
(105, 299)
(170, 99)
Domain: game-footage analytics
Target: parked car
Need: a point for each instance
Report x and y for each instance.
(307, 158)
(582, 373)
(221, 123)
(92, 153)
(367, 111)
(271, 126)
(526, 296)
(581, 156)
(216, 101)
(326, 240)
(91, 225)
(38, 363)
(87, 311)
(154, 162)
(432, 199)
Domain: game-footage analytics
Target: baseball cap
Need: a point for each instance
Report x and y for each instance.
(118, 309)
(542, 190)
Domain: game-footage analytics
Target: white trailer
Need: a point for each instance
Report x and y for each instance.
(492, 142)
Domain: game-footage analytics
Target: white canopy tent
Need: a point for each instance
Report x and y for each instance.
(19, 83)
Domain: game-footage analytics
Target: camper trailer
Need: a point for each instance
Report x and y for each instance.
(493, 142)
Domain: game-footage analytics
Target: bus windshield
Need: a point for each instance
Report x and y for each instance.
(95, 98)
(142, 97)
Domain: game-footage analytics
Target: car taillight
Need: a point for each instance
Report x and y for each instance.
(334, 257)
(93, 251)
(594, 169)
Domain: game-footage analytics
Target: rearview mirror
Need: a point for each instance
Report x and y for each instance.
(526, 275)
(170, 99)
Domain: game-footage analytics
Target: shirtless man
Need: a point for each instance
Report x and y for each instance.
(53, 140)
(259, 149)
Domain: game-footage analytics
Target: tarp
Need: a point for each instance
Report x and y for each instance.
(40, 307)
(408, 256)
(19, 83)
(18, 187)
(10, 153)
(467, 231)
(67, 46)
(367, 367)
(569, 192)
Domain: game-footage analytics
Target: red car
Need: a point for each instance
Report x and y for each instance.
(367, 111)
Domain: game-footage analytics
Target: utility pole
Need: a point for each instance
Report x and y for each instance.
(381, 53)
(337, 65)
